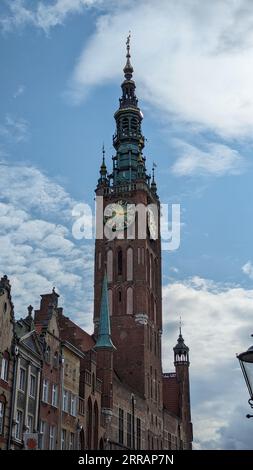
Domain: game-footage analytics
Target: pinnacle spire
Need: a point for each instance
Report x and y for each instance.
(104, 333)
(128, 69)
(153, 183)
(181, 351)
(103, 170)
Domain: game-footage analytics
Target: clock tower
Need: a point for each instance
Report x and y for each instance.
(133, 262)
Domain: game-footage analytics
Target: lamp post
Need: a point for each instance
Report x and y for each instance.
(246, 363)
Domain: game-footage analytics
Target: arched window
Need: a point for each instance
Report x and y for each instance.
(125, 126)
(134, 125)
(5, 366)
(101, 444)
(130, 264)
(95, 429)
(139, 255)
(110, 300)
(82, 439)
(109, 265)
(120, 263)
(129, 301)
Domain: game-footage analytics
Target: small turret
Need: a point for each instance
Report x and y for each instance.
(181, 351)
(103, 180)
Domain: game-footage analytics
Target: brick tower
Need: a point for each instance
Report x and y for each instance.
(133, 262)
(182, 363)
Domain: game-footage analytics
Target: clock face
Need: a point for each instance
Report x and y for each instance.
(121, 216)
(152, 224)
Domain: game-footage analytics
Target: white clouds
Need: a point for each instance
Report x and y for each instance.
(217, 323)
(19, 91)
(192, 59)
(215, 159)
(248, 269)
(42, 15)
(38, 253)
(14, 129)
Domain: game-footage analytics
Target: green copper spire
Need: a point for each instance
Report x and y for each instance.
(128, 139)
(104, 333)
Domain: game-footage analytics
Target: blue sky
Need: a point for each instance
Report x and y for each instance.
(61, 70)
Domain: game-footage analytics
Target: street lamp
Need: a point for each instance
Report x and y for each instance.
(246, 363)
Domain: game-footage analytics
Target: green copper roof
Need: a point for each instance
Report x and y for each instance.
(104, 334)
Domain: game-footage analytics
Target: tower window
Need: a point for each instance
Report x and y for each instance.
(125, 125)
(109, 265)
(130, 301)
(119, 295)
(134, 125)
(130, 264)
(120, 262)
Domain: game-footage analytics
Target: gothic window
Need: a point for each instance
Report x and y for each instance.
(5, 366)
(110, 300)
(120, 263)
(120, 296)
(129, 301)
(109, 265)
(130, 264)
(139, 255)
(134, 125)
